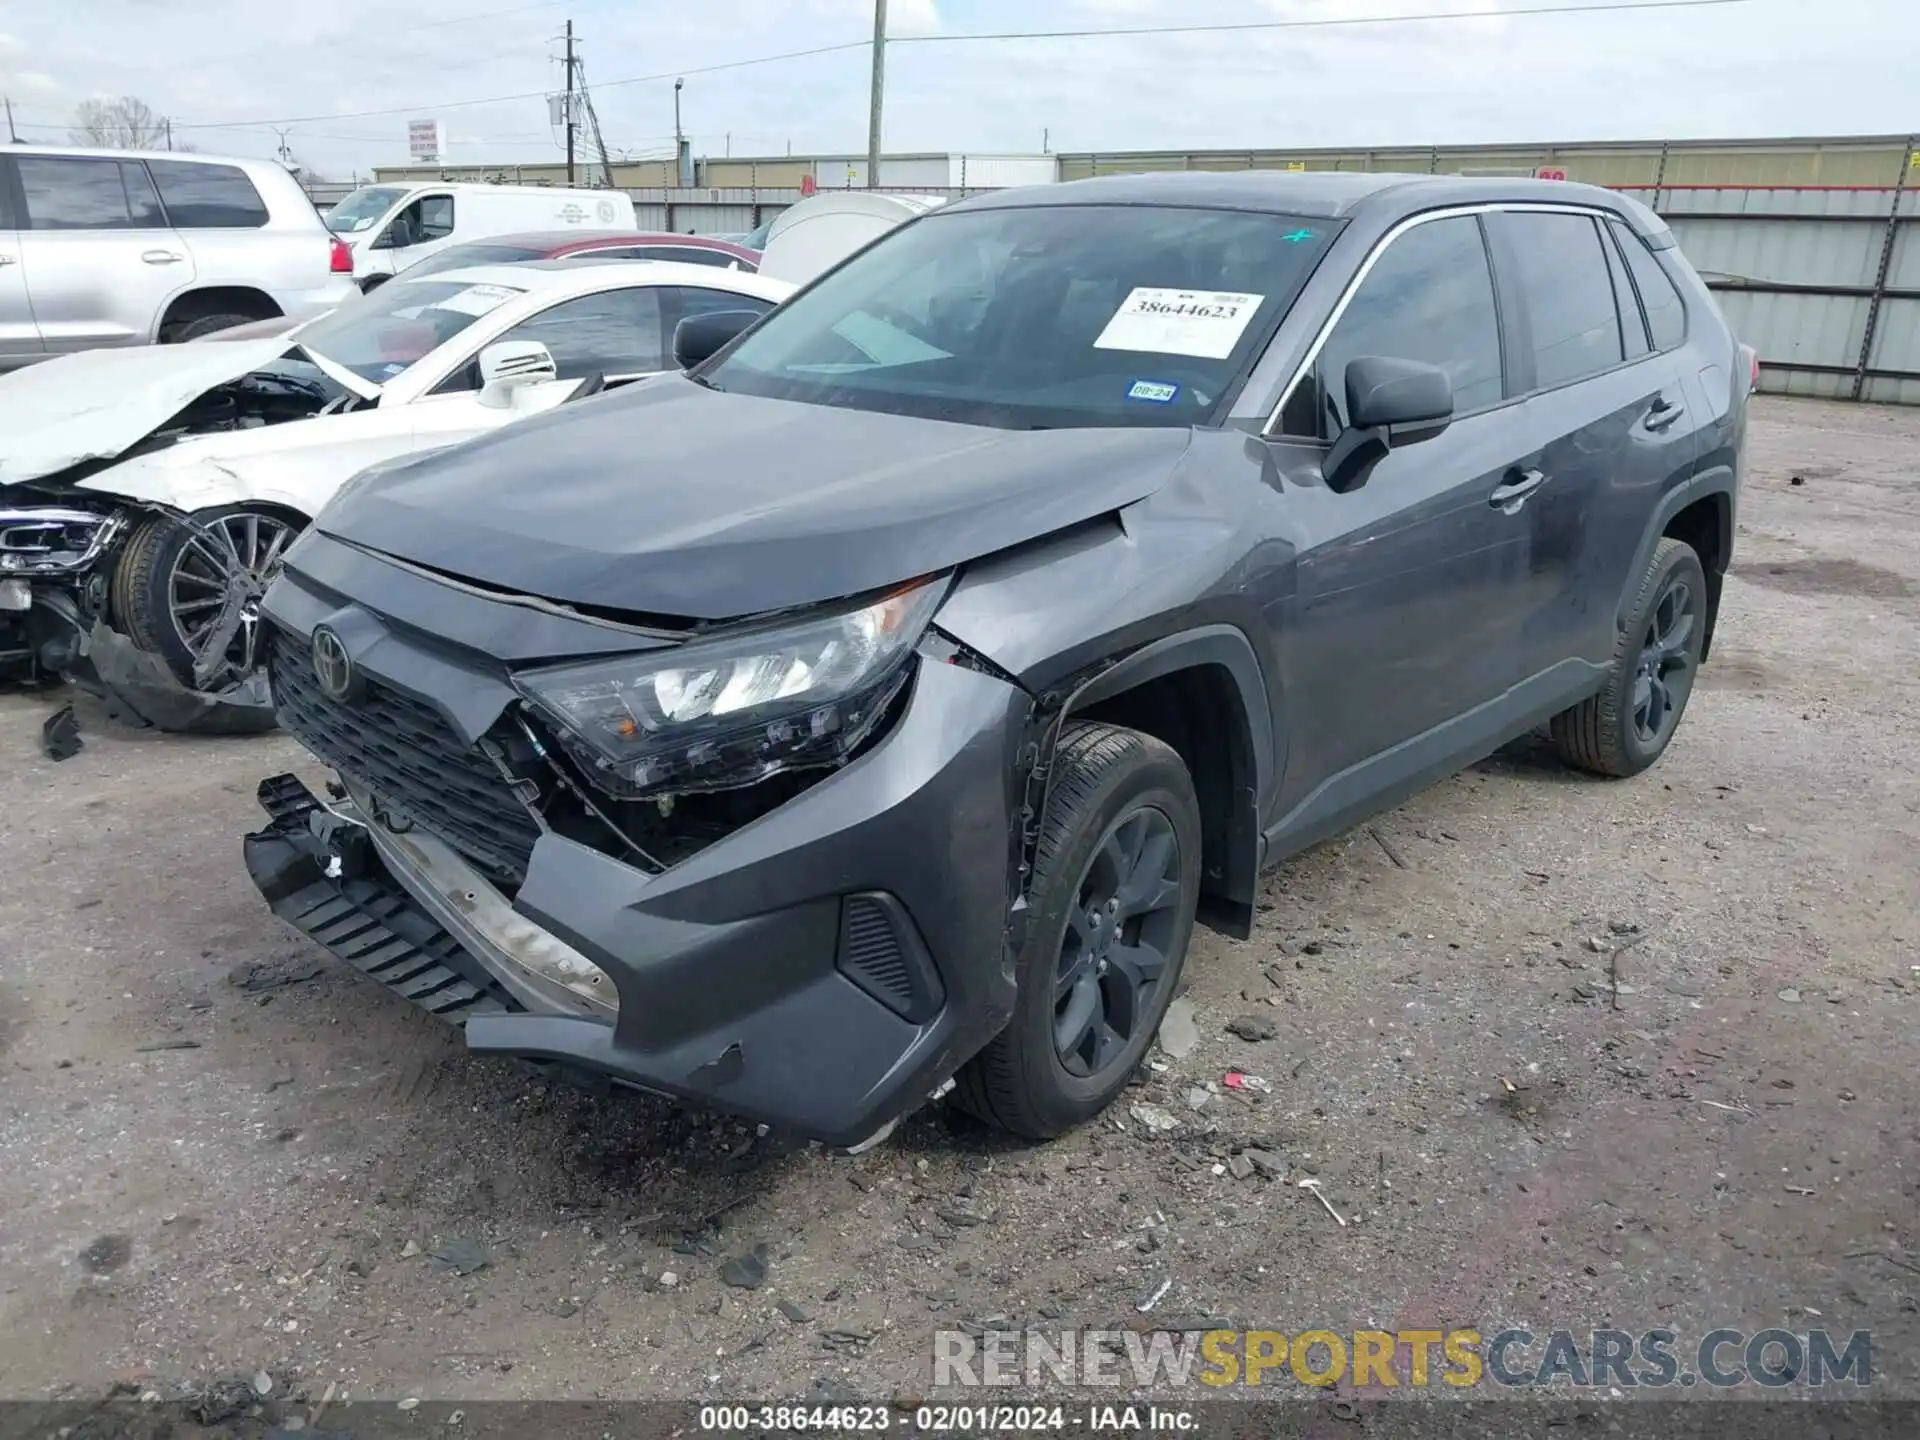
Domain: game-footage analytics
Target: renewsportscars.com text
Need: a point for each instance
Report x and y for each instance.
(1405, 1359)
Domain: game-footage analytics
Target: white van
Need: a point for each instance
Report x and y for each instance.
(388, 227)
(815, 234)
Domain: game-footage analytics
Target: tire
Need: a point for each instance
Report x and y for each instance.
(206, 325)
(1109, 785)
(147, 580)
(1654, 665)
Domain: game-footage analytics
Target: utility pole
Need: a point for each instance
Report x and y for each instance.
(569, 102)
(679, 139)
(879, 90)
(13, 134)
(166, 121)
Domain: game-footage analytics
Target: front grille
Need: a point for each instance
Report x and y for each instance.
(408, 754)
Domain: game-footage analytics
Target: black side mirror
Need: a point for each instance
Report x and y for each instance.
(698, 337)
(1389, 402)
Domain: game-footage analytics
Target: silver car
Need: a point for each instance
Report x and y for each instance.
(106, 247)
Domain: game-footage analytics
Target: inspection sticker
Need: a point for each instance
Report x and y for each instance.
(1202, 323)
(476, 300)
(1157, 391)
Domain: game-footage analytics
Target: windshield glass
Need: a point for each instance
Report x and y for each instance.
(1053, 315)
(382, 333)
(362, 208)
(455, 257)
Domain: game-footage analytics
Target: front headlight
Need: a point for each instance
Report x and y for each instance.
(715, 714)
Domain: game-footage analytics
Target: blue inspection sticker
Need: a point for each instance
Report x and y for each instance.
(1154, 392)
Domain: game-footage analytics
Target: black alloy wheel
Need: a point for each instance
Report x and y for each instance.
(1113, 957)
(1110, 909)
(1664, 676)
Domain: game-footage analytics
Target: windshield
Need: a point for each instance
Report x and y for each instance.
(1046, 316)
(382, 333)
(362, 208)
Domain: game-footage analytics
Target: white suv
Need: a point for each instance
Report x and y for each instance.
(107, 247)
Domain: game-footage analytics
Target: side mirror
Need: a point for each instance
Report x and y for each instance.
(1389, 402)
(386, 239)
(510, 365)
(699, 337)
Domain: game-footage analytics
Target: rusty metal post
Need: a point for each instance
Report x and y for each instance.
(1880, 276)
(1659, 176)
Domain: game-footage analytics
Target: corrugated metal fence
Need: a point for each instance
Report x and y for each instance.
(1822, 280)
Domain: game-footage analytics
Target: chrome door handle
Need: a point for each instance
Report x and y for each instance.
(1516, 486)
(162, 257)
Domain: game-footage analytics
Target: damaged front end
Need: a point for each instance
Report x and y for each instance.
(817, 948)
(51, 586)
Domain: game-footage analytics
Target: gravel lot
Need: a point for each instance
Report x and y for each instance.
(221, 1153)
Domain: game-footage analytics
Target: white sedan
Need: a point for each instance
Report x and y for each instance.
(152, 491)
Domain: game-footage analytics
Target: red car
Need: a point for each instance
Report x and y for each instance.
(552, 245)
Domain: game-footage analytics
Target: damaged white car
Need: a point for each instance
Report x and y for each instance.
(147, 495)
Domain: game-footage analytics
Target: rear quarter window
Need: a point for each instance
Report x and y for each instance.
(208, 197)
(1666, 315)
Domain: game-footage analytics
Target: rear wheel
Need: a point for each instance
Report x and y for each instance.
(191, 593)
(1627, 726)
(1116, 880)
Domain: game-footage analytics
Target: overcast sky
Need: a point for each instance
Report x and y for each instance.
(1757, 67)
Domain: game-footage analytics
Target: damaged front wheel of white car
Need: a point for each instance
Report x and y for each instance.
(189, 590)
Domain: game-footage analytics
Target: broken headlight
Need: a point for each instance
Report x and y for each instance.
(718, 713)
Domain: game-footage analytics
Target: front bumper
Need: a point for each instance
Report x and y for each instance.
(824, 969)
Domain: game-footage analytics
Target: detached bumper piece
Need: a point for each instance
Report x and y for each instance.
(325, 881)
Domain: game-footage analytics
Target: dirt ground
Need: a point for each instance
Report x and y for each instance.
(222, 1154)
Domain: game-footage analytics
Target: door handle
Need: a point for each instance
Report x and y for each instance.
(1663, 413)
(6, 260)
(1514, 488)
(162, 257)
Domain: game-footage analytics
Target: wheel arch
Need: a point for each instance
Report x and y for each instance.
(1701, 513)
(1201, 691)
(204, 300)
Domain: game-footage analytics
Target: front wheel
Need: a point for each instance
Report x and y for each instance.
(1115, 884)
(190, 592)
(1627, 726)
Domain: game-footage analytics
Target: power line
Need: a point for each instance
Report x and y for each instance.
(1609, 7)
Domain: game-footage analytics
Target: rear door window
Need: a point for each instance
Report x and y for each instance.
(1428, 297)
(1666, 315)
(143, 205)
(199, 196)
(81, 194)
(1562, 274)
(8, 220)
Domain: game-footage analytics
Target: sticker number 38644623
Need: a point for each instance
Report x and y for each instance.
(1202, 323)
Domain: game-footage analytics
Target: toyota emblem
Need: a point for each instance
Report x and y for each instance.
(332, 666)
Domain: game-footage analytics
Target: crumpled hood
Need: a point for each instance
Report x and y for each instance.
(101, 403)
(673, 500)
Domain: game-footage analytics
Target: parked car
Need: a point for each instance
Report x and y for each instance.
(636, 245)
(562, 245)
(814, 234)
(104, 247)
(878, 706)
(388, 228)
(147, 496)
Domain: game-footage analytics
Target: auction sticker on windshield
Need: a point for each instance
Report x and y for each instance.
(1203, 323)
(476, 300)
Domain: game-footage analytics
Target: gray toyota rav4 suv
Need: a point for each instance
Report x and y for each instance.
(873, 709)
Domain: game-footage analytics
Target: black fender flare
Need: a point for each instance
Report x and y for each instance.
(1227, 647)
(1695, 488)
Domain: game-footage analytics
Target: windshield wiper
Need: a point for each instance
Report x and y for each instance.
(705, 383)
